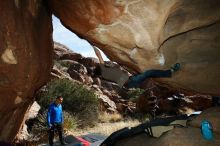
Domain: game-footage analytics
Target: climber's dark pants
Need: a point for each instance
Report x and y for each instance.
(136, 80)
(59, 128)
(215, 101)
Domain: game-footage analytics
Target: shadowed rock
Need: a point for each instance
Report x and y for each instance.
(25, 59)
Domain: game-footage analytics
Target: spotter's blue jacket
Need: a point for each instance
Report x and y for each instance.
(54, 114)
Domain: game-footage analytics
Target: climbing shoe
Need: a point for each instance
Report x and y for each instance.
(176, 67)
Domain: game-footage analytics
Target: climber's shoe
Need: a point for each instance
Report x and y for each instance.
(175, 67)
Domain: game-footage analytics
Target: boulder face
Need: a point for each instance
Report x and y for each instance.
(152, 34)
(190, 135)
(25, 59)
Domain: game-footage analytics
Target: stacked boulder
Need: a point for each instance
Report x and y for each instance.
(169, 100)
(73, 66)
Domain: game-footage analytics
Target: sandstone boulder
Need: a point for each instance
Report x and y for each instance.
(186, 137)
(76, 76)
(71, 56)
(60, 50)
(97, 81)
(59, 74)
(176, 137)
(89, 61)
(79, 68)
(212, 115)
(171, 100)
(106, 104)
(67, 62)
(152, 34)
(23, 134)
(25, 59)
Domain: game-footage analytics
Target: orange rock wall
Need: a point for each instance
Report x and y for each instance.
(25, 59)
(146, 34)
(139, 34)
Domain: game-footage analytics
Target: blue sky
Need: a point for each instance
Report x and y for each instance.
(71, 40)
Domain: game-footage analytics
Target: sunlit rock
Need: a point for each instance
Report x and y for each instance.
(145, 34)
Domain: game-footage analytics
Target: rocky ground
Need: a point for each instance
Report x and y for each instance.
(73, 66)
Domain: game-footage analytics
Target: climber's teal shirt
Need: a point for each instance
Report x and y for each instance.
(54, 114)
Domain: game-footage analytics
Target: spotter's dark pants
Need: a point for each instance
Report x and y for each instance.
(59, 128)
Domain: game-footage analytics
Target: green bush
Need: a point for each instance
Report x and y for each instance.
(60, 64)
(78, 100)
(134, 94)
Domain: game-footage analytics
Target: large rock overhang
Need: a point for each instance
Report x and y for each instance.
(139, 34)
(146, 34)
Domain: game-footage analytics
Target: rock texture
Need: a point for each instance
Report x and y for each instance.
(139, 34)
(25, 59)
(30, 115)
(184, 136)
(82, 70)
(145, 34)
(112, 98)
(176, 137)
(211, 115)
(170, 100)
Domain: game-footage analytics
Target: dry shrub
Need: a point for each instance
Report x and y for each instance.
(107, 128)
(107, 117)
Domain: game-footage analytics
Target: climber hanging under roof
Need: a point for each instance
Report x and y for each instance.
(136, 80)
(123, 79)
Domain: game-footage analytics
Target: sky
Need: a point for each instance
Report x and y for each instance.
(71, 40)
